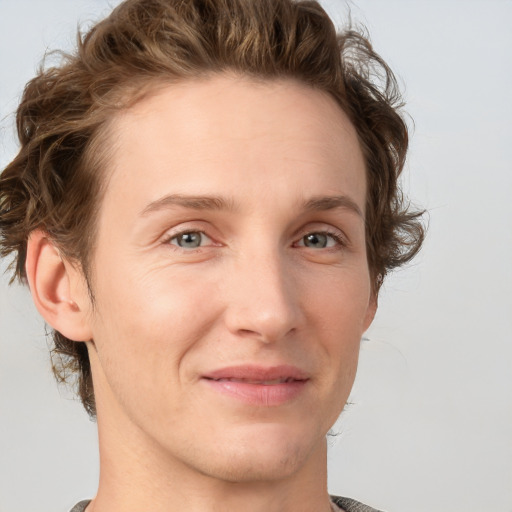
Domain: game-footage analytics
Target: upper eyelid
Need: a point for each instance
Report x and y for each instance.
(172, 236)
(324, 228)
(195, 226)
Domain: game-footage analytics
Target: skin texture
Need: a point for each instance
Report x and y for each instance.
(256, 291)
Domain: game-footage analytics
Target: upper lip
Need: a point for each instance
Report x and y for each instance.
(255, 373)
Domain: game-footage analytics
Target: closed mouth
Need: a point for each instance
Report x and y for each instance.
(259, 386)
(255, 374)
(268, 382)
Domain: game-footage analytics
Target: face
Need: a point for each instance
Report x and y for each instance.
(230, 276)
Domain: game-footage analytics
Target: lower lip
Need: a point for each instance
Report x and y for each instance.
(269, 395)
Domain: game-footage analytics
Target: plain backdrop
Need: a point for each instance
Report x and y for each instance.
(430, 421)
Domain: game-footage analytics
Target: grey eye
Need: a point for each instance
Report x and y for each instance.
(316, 240)
(190, 240)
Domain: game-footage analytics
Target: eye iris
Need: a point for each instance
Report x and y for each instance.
(189, 240)
(316, 240)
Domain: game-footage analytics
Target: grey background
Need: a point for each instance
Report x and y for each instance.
(430, 423)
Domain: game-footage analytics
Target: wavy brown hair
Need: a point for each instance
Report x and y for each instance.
(55, 181)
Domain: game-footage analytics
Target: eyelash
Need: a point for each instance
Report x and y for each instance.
(338, 239)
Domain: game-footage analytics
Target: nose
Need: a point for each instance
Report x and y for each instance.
(263, 299)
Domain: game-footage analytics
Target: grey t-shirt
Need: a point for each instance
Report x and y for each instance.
(345, 503)
(80, 507)
(350, 505)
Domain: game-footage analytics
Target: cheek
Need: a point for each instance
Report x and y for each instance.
(337, 312)
(145, 332)
(340, 299)
(149, 317)
(338, 331)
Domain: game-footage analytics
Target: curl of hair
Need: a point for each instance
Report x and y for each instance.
(55, 182)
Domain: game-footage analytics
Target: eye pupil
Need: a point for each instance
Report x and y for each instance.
(189, 240)
(315, 240)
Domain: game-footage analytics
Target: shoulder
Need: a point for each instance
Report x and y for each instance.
(350, 505)
(80, 507)
(347, 504)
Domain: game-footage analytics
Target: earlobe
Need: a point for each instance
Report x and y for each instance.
(371, 311)
(57, 288)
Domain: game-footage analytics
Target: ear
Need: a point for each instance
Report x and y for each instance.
(59, 289)
(370, 312)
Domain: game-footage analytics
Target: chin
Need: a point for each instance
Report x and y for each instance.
(267, 454)
(251, 467)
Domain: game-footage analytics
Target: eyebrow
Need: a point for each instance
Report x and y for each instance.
(191, 202)
(320, 203)
(323, 203)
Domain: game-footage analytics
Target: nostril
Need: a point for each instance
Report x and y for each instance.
(248, 332)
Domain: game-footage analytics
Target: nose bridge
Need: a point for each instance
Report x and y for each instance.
(263, 299)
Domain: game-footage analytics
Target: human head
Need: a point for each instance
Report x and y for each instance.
(56, 181)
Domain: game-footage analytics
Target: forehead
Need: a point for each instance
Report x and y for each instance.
(231, 134)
